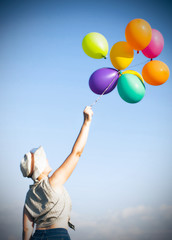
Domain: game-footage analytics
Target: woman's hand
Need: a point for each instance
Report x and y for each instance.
(88, 113)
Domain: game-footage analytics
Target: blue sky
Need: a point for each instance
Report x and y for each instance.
(122, 186)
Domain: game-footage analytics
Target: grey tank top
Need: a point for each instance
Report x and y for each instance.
(48, 206)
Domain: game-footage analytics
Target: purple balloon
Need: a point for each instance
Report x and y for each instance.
(101, 79)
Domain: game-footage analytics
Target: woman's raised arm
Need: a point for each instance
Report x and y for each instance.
(61, 175)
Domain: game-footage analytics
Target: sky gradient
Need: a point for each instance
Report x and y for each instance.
(122, 186)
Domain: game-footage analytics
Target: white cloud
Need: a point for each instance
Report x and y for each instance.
(136, 223)
(135, 211)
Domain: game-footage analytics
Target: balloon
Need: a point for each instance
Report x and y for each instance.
(130, 88)
(134, 73)
(101, 79)
(155, 46)
(138, 34)
(95, 45)
(155, 72)
(121, 55)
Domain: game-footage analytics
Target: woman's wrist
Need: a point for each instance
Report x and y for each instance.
(87, 122)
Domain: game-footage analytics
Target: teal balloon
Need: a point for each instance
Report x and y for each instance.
(130, 88)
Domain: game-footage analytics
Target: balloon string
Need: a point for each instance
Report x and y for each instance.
(104, 91)
(139, 64)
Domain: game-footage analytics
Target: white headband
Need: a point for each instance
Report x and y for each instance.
(39, 163)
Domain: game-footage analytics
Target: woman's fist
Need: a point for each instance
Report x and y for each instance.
(88, 113)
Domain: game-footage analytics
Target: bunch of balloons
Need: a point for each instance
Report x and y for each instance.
(130, 84)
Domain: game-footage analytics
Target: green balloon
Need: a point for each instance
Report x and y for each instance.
(130, 88)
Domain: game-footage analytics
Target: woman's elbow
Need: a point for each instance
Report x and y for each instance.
(77, 153)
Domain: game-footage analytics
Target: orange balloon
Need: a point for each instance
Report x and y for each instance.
(155, 72)
(138, 34)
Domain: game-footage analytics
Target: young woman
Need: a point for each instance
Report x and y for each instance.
(47, 203)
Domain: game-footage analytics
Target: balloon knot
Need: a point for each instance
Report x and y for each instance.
(137, 52)
(151, 59)
(119, 72)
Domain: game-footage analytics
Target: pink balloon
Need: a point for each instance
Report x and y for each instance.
(155, 46)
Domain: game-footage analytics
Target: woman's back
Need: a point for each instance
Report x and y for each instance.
(48, 206)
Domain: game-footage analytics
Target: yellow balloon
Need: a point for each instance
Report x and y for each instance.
(134, 73)
(95, 45)
(121, 55)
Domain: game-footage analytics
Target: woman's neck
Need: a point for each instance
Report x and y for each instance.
(41, 176)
